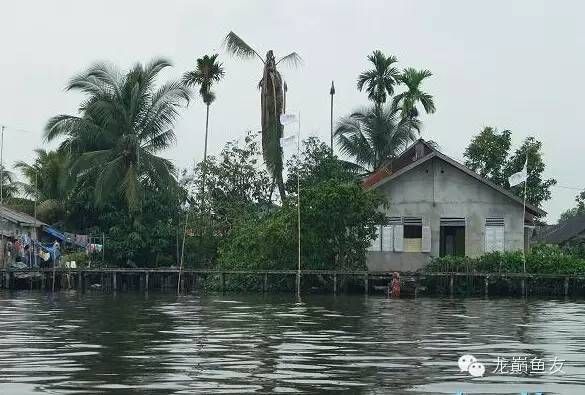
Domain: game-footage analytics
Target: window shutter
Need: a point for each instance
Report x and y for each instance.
(426, 239)
(398, 238)
(499, 238)
(494, 234)
(490, 238)
(388, 238)
(375, 246)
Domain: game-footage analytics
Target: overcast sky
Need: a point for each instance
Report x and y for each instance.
(515, 65)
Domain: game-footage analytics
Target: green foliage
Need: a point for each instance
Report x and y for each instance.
(379, 82)
(236, 188)
(47, 181)
(338, 220)
(578, 210)
(538, 190)
(540, 260)
(207, 72)
(125, 121)
(414, 95)
(374, 135)
(488, 154)
(271, 103)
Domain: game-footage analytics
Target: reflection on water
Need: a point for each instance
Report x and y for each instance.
(96, 343)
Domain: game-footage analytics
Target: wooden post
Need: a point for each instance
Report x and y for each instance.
(486, 285)
(566, 286)
(523, 286)
(114, 281)
(146, 281)
(222, 280)
(79, 281)
(265, 285)
(366, 284)
(335, 283)
(451, 287)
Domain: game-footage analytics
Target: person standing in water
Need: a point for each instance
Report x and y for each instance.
(394, 289)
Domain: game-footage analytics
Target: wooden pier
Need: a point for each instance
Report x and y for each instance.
(166, 280)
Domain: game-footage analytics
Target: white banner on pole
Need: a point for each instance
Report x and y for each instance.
(287, 119)
(518, 178)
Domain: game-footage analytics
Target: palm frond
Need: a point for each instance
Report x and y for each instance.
(292, 59)
(238, 47)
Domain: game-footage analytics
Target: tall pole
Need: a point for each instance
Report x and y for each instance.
(182, 252)
(299, 211)
(2, 166)
(524, 215)
(1, 188)
(332, 92)
(35, 212)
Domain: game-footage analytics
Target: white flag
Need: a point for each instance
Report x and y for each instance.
(520, 177)
(289, 141)
(287, 119)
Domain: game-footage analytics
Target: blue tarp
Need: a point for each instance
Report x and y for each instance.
(54, 232)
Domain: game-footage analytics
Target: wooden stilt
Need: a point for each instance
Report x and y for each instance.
(451, 285)
(366, 284)
(566, 286)
(146, 281)
(486, 285)
(335, 284)
(265, 285)
(114, 281)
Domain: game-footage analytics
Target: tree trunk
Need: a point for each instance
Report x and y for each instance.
(205, 156)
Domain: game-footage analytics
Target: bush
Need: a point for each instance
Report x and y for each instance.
(541, 260)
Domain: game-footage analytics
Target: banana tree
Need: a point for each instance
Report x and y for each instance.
(271, 103)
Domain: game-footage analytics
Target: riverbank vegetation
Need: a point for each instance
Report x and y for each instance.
(540, 260)
(236, 209)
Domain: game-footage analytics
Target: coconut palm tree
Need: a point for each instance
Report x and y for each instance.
(46, 181)
(375, 134)
(379, 82)
(10, 187)
(414, 94)
(271, 103)
(124, 121)
(207, 72)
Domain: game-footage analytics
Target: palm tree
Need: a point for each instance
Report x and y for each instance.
(374, 135)
(271, 103)
(47, 181)
(10, 187)
(124, 122)
(380, 80)
(207, 72)
(414, 95)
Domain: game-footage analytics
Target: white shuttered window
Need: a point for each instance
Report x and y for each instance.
(388, 238)
(494, 234)
(426, 239)
(398, 238)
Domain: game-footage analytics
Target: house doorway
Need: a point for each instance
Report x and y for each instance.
(452, 237)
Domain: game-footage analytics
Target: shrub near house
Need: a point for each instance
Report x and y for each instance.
(541, 260)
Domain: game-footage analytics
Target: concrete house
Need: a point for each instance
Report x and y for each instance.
(438, 207)
(14, 223)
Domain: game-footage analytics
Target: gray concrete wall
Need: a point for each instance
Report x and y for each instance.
(436, 189)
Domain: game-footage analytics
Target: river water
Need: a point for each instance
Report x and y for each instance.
(134, 343)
